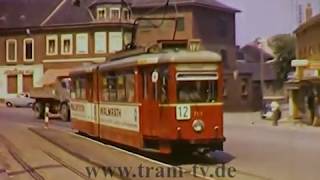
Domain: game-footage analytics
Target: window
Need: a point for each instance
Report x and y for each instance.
(101, 13)
(126, 14)
(66, 44)
(28, 49)
(115, 13)
(11, 50)
(244, 87)
(115, 41)
(119, 87)
(79, 88)
(180, 24)
(12, 84)
(52, 45)
(196, 86)
(100, 42)
(196, 91)
(82, 43)
(163, 93)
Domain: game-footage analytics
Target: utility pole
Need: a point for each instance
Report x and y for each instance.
(259, 42)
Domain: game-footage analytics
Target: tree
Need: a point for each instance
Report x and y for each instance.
(284, 49)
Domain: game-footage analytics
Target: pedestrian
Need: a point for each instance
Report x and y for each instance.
(276, 113)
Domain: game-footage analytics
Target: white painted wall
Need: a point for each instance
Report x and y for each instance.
(37, 76)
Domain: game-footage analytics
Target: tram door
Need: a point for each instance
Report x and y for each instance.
(150, 102)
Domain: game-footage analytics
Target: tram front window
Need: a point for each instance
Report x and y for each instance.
(196, 91)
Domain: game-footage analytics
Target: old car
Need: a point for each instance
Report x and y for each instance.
(21, 100)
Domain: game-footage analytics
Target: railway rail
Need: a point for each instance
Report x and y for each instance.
(13, 151)
(67, 166)
(32, 171)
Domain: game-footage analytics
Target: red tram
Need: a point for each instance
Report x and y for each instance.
(159, 102)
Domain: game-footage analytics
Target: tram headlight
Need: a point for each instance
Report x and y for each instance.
(198, 125)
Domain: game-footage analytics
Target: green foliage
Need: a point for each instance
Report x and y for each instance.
(284, 48)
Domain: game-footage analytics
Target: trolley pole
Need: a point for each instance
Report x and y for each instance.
(46, 117)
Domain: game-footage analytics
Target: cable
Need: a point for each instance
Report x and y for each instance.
(132, 44)
(128, 6)
(176, 22)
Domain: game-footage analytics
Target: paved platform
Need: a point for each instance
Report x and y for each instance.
(3, 174)
(101, 155)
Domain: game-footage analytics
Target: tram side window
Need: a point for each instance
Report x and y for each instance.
(156, 90)
(79, 88)
(109, 89)
(119, 87)
(163, 93)
(130, 87)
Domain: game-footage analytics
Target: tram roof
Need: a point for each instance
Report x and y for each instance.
(153, 58)
(161, 58)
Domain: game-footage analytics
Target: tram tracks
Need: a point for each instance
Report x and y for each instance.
(13, 151)
(32, 171)
(67, 166)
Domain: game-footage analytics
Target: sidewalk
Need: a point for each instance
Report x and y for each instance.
(3, 173)
(254, 119)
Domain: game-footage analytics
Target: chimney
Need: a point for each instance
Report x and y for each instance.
(308, 11)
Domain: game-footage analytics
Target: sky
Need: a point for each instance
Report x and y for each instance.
(265, 18)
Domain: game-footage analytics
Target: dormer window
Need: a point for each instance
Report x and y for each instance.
(115, 13)
(101, 13)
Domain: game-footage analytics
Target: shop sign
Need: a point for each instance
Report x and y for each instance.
(310, 73)
(17, 71)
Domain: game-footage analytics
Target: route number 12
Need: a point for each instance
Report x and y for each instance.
(183, 112)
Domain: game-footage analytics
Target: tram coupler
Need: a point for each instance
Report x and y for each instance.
(46, 117)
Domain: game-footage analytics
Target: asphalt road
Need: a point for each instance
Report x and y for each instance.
(254, 147)
(287, 152)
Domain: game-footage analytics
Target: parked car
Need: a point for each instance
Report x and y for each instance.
(22, 100)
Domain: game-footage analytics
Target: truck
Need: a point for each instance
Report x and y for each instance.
(54, 94)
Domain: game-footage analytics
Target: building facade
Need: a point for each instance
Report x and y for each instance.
(304, 88)
(257, 88)
(39, 35)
